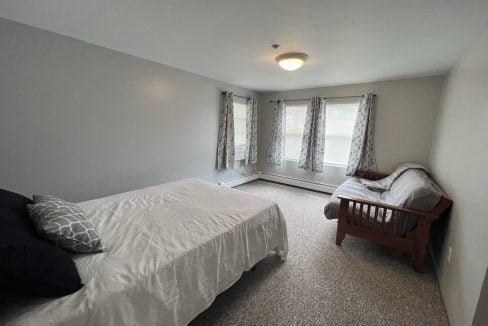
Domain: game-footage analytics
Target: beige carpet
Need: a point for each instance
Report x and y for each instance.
(322, 284)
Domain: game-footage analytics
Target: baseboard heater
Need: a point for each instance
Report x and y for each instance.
(306, 184)
(317, 186)
(239, 181)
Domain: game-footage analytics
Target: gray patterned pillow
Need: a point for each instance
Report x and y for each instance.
(64, 224)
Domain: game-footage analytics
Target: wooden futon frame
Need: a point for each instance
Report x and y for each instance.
(406, 230)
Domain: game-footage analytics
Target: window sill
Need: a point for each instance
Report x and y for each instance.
(336, 165)
(325, 164)
(240, 153)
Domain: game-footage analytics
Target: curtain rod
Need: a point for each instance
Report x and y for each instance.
(235, 95)
(306, 99)
(247, 98)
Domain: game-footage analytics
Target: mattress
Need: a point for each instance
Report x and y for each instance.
(172, 249)
(352, 188)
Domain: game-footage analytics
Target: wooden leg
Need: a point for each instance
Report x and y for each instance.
(417, 262)
(341, 223)
(340, 236)
(418, 254)
(395, 252)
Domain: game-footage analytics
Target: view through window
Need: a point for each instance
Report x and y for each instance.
(295, 120)
(240, 116)
(340, 119)
(339, 122)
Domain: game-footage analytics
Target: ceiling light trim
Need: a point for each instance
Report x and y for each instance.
(291, 61)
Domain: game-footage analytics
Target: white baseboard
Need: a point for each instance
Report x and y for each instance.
(239, 181)
(298, 182)
(280, 179)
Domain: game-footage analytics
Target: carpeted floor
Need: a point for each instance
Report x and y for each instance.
(322, 284)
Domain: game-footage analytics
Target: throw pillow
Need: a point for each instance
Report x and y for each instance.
(65, 224)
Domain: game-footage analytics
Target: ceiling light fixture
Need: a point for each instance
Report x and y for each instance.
(291, 61)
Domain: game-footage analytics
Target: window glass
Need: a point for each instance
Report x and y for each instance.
(295, 121)
(339, 121)
(240, 116)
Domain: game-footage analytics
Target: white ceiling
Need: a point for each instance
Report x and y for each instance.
(349, 41)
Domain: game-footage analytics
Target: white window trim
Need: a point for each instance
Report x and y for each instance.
(240, 150)
(335, 164)
(305, 104)
(325, 163)
(295, 104)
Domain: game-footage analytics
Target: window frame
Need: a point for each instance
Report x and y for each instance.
(239, 149)
(305, 104)
(295, 104)
(338, 101)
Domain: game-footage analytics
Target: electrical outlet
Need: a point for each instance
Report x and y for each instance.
(449, 254)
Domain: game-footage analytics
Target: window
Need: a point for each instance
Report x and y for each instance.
(340, 117)
(295, 121)
(240, 131)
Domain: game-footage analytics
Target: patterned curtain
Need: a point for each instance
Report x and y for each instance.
(225, 142)
(276, 149)
(362, 147)
(252, 132)
(313, 142)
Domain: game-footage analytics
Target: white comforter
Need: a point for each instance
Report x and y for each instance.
(173, 248)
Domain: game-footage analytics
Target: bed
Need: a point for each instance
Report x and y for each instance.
(172, 249)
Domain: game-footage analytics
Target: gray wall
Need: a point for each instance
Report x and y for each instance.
(405, 117)
(459, 159)
(81, 121)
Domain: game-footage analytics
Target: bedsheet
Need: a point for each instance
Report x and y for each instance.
(172, 249)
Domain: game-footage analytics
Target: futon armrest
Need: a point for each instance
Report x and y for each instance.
(385, 207)
(370, 175)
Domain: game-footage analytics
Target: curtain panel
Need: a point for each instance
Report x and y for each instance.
(225, 142)
(313, 142)
(276, 148)
(362, 156)
(252, 132)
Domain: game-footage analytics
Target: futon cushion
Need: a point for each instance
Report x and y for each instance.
(353, 188)
(65, 224)
(386, 183)
(29, 265)
(413, 189)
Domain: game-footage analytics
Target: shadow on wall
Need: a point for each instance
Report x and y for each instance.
(438, 235)
(481, 315)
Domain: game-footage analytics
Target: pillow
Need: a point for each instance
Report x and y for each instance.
(29, 265)
(16, 203)
(65, 224)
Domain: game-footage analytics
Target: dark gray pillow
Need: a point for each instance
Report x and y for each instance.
(64, 224)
